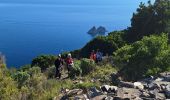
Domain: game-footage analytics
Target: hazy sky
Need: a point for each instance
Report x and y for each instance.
(77, 2)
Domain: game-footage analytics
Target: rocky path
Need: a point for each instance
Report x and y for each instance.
(154, 88)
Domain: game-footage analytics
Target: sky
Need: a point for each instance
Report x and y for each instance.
(76, 2)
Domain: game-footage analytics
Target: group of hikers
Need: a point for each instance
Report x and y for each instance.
(59, 62)
(96, 56)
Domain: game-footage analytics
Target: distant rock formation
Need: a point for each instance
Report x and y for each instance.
(93, 30)
(101, 30)
(97, 31)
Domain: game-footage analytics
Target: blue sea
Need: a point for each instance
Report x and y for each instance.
(33, 27)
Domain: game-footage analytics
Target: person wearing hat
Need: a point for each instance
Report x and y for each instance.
(58, 64)
(69, 62)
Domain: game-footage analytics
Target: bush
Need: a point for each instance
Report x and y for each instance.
(87, 66)
(76, 70)
(36, 87)
(8, 87)
(43, 61)
(21, 78)
(107, 44)
(85, 85)
(149, 56)
(25, 68)
(34, 71)
(102, 73)
(50, 72)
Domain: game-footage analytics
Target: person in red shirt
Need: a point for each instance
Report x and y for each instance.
(69, 62)
(93, 55)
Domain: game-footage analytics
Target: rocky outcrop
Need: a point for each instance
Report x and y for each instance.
(93, 30)
(101, 30)
(97, 31)
(154, 88)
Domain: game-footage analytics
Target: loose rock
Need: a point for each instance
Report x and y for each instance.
(138, 85)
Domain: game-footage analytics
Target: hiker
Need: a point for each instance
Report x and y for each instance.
(58, 64)
(69, 62)
(93, 55)
(99, 56)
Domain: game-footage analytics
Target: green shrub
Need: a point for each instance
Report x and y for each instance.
(102, 73)
(149, 56)
(76, 70)
(43, 61)
(87, 66)
(85, 85)
(2, 66)
(50, 72)
(25, 68)
(107, 44)
(21, 78)
(8, 87)
(34, 71)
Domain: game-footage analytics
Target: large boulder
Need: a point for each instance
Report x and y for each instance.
(109, 89)
(167, 91)
(160, 96)
(166, 76)
(81, 97)
(155, 94)
(100, 97)
(109, 98)
(126, 84)
(93, 92)
(75, 92)
(148, 80)
(130, 93)
(155, 85)
(138, 85)
(145, 95)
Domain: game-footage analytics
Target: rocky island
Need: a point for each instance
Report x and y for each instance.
(97, 31)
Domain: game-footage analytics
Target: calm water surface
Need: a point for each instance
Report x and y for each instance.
(28, 29)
